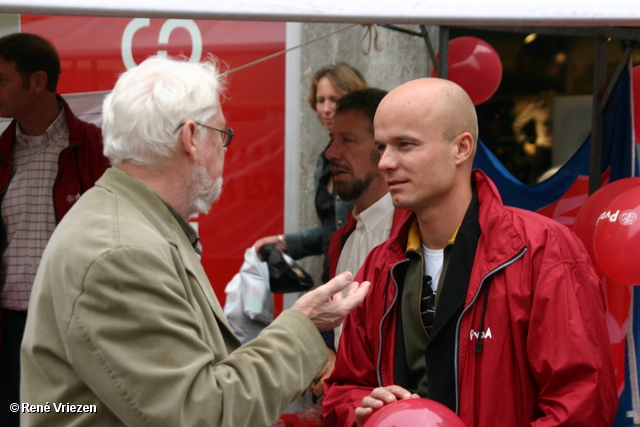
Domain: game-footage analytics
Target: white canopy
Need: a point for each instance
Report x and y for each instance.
(587, 13)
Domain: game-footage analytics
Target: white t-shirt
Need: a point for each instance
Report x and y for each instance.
(433, 262)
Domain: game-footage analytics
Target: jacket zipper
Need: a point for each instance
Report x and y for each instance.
(475, 297)
(395, 298)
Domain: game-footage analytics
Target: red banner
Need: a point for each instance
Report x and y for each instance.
(94, 51)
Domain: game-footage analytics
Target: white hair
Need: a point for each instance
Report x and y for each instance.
(149, 102)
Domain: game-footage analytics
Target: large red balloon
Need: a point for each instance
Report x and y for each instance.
(636, 101)
(585, 222)
(475, 65)
(414, 412)
(616, 238)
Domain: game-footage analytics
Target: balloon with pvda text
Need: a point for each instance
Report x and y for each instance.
(616, 238)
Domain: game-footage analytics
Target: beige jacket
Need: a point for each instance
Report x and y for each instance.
(124, 320)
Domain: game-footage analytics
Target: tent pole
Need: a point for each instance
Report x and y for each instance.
(430, 50)
(599, 87)
(622, 65)
(443, 43)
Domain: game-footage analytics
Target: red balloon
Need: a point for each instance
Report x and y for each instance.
(585, 222)
(414, 412)
(616, 238)
(475, 65)
(635, 77)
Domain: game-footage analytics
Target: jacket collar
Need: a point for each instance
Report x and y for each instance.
(147, 201)
(500, 236)
(498, 231)
(73, 123)
(414, 241)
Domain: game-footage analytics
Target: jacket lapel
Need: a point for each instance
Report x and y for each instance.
(194, 267)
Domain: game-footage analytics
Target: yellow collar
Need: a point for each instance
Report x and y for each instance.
(414, 241)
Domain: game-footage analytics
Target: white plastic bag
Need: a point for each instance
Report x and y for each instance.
(249, 304)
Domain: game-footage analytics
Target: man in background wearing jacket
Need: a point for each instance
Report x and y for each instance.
(494, 311)
(48, 158)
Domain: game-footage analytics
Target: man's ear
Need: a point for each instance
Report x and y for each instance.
(464, 148)
(187, 142)
(38, 81)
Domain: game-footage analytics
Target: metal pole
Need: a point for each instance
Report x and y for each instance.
(443, 43)
(622, 65)
(427, 41)
(597, 117)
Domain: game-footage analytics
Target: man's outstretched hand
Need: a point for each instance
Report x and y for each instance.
(326, 306)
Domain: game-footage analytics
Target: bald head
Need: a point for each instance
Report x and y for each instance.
(438, 102)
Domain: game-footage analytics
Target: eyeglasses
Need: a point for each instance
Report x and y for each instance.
(227, 133)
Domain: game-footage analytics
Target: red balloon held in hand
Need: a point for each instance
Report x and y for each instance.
(474, 65)
(585, 222)
(414, 412)
(616, 238)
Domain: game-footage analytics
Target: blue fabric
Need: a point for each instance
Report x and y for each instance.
(617, 148)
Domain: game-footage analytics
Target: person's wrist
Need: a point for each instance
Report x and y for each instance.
(283, 241)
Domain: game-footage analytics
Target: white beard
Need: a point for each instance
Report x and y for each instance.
(204, 190)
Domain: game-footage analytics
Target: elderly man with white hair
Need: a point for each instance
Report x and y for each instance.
(124, 328)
